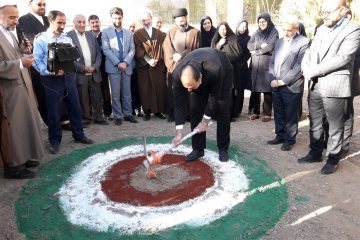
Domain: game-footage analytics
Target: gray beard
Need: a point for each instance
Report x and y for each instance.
(182, 29)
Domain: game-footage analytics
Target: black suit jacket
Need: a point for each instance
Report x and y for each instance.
(31, 26)
(217, 79)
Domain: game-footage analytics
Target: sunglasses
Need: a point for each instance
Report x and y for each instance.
(41, 4)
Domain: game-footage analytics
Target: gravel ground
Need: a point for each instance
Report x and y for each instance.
(309, 191)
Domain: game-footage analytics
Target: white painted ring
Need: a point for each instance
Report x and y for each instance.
(85, 204)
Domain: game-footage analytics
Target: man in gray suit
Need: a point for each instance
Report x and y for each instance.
(88, 75)
(287, 82)
(119, 49)
(328, 64)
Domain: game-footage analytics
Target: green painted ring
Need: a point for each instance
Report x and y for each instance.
(39, 215)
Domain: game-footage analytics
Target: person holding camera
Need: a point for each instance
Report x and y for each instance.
(59, 85)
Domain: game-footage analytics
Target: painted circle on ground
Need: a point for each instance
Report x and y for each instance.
(176, 181)
(85, 203)
(43, 214)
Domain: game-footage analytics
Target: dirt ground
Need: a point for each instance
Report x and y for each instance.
(320, 207)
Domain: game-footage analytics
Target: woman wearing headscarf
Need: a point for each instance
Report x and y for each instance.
(261, 46)
(225, 40)
(302, 31)
(243, 74)
(207, 31)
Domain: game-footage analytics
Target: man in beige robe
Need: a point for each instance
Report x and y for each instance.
(180, 40)
(26, 143)
(151, 70)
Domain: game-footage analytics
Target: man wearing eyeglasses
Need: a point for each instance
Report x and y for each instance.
(29, 26)
(328, 64)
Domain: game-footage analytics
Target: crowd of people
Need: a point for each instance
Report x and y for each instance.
(122, 73)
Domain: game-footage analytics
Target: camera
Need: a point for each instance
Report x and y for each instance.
(61, 56)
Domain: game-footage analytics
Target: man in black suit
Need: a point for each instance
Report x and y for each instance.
(29, 26)
(204, 72)
(94, 23)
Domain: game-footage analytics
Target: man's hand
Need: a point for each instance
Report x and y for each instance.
(25, 46)
(307, 75)
(89, 69)
(203, 125)
(177, 138)
(222, 41)
(176, 57)
(58, 74)
(274, 83)
(27, 60)
(122, 66)
(153, 62)
(263, 45)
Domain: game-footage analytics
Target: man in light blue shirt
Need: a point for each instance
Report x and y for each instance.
(59, 86)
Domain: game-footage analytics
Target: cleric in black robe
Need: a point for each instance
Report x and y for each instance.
(208, 75)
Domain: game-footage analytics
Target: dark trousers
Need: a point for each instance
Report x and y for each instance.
(267, 104)
(105, 90)
(252, 102)
(169, 96)
(40, 93)
(237, 99)
(198, 105)
(91, 100)
(334, 110)
(58, 89)
(135, 97)
(286, 107)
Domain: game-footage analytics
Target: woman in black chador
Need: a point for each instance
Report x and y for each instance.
(225, 40)
(243, 74)
(207, 31)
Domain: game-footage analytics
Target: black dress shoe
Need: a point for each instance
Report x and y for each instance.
(11, 173)
(101, 122)
(328, 168)
(286, 146)
(31, 163)
(54, 149)
(309, 159)
(66, 127)
(86, 121)
(170, 119)
(146, 117)
(159, 115)
(130, 119)
(84, 140)
(194, 155)
(223, 156)
(275, 141)
(118, 122)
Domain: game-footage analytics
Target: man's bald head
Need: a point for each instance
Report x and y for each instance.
(190, 77)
